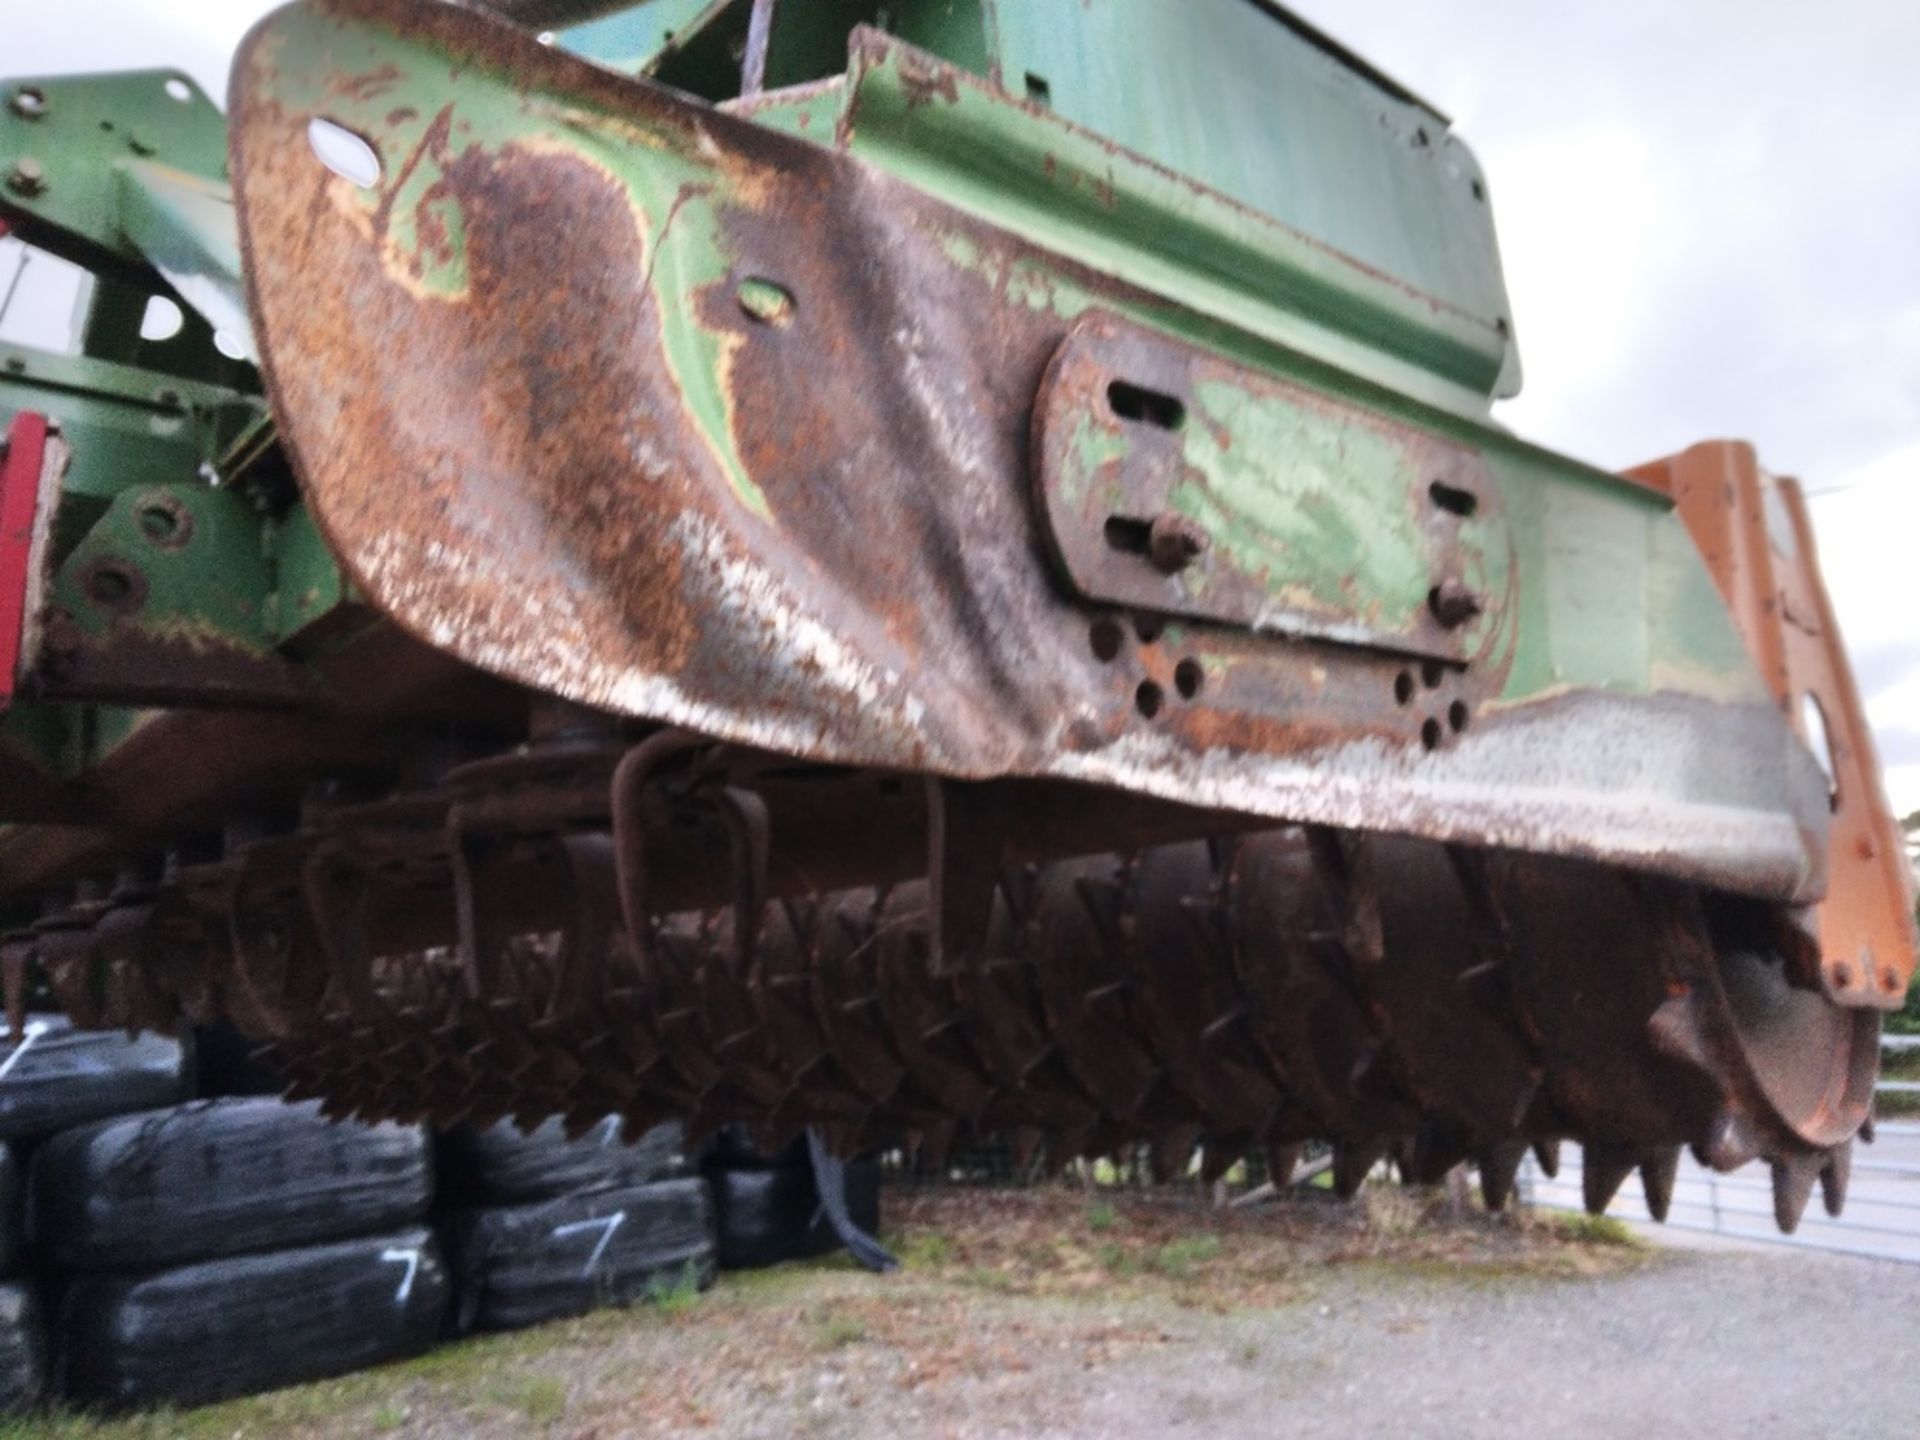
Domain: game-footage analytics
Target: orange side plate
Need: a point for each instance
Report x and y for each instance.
(1753, 530)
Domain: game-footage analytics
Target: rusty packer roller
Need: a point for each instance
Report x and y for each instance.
(899, 570)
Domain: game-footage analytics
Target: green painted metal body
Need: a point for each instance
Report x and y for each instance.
(1251, 195)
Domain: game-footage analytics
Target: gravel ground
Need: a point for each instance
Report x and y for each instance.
(1051, 1314)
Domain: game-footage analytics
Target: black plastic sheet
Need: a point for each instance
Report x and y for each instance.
(13, 1211)
(766, 1216)
(23, 1350)
(220, 1177)
(248, 1323)
(518, 1265)
(58, 1076)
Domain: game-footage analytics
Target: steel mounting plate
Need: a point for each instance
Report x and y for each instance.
(1277, 507)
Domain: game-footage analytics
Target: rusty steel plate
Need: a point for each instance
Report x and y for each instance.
(638, 403)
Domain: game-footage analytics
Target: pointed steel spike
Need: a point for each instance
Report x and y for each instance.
(1171, 1151)
(1282, 1161)
(1403, 1152)
(936, 1145)
(1729, 1144)
(1216, 1159)
(933, 1032)
(1040, 1058)
(1203, 914)
(1364, 1069)
(1498, 1165)
(1220, 1025)
(1527, 1097)
(1792, 1187)
(1436, 1150)
(1546, 1154)
(1603, 1169)
(1477, 977)
(1674, 1030)
(1489, 989)
(1657, 1171)
(1103, 900)
(1066, 1146)
(1834, 1176)
(1353, 1162)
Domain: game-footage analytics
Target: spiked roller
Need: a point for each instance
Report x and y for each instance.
(845, 568)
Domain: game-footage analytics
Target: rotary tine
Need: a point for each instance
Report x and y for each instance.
(1175, 948)
(1321, 1040)
(1658, 1169)
(1793, 1180)
(923, 1020)
(1834, 1175)
(1499, 1164)
(1072, 941)
(1353, 1161)
(1604, 1167)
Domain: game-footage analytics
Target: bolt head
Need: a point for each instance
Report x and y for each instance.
(1453, 604)
(26, 177)
(1175, 542)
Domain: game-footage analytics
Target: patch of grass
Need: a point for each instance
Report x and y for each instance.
(927, 1249)
(1102, 1217)
(541, 1398)
(1593, 1230)
(1392, 1211)
(1178, 1259)
(985, 1277)
(58, 1427)
(837, 1332)
(390, 1416)
(677, 1295)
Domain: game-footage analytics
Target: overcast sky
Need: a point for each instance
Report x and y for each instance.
(1710, 217)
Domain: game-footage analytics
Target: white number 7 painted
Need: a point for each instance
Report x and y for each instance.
(410, 1258)
(606, 1224)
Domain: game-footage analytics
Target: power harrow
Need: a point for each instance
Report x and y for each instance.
(904, 571)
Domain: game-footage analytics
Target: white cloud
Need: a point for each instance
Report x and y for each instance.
(1710, 218)
(1576, 215)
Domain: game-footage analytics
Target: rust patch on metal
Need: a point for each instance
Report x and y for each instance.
(849, 568)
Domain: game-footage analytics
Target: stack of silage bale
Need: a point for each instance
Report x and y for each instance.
(540, 1225)
(221, 1247)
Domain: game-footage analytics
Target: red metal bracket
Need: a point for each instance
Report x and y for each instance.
(20, 469)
